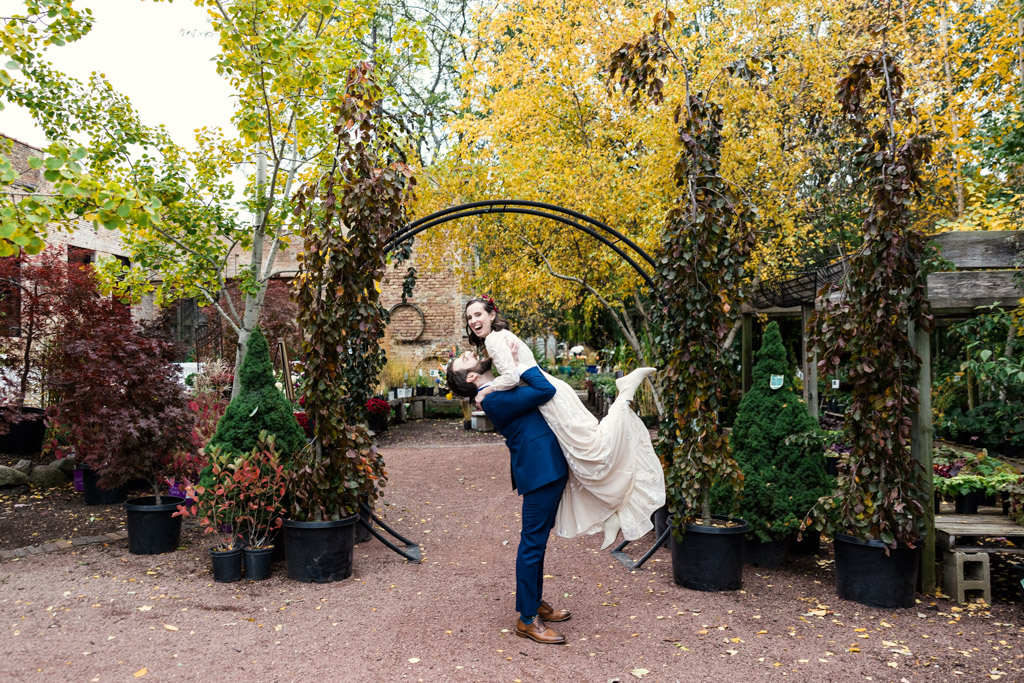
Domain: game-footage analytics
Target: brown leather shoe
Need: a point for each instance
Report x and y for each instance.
(538, 631)
(549, 613)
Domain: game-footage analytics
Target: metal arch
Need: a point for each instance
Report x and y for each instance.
(531, 208)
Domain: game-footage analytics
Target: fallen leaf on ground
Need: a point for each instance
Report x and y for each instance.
(639, 673)
(414, 660)
(145, 608)
(141, 672)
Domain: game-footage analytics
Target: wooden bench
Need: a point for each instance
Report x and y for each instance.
(956, 533)
(416, 406)
(965, 563)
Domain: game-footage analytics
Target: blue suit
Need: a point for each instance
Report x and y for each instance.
(539, 473)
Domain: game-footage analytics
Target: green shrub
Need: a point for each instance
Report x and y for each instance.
(782, 480)
(442, 410)
(259, 406)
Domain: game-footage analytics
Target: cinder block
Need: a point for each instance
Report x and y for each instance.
(481, 423)
(416, 409)
(967, 572)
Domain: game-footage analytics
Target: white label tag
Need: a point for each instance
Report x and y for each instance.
(775, 382)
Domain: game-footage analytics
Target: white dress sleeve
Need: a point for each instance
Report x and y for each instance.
(501, 356)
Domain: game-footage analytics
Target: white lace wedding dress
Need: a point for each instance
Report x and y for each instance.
(612, 464)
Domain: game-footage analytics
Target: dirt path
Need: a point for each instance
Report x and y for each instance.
(101, 614)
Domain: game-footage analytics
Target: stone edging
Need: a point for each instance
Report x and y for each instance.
(55, 546)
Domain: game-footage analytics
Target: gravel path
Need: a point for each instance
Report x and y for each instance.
(101, 614)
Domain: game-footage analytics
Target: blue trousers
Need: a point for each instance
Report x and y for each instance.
(539, 508)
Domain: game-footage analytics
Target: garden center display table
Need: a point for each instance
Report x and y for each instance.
(964, 560)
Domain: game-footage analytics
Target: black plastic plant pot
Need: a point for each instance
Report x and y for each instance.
(659, 518)
(26, 436)
(259, 562)
(152, 528)
(831, 466)
(378, 423)
(362, 531)
(967, 503)
(710, 558)
(865, 574)
(320, 552)
(807, 545)
(94, 494)
(227, 565)
(766, 554)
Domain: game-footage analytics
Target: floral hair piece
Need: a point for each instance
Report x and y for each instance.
(484, 297)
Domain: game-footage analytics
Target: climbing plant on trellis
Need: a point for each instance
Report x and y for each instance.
(706, 239)
(347, 215)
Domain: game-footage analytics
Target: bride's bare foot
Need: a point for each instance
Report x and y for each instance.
(628, 384)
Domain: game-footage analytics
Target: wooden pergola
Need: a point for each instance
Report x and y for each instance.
(982, 275)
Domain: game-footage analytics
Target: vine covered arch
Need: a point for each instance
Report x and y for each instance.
(608, 236)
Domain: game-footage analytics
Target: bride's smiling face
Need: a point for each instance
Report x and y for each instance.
(479, 320)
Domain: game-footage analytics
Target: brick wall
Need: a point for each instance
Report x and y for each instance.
(429, 325)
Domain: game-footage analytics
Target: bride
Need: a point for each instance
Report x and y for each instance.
(615, 478)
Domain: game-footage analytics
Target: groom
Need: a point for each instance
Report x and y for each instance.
(539, 473)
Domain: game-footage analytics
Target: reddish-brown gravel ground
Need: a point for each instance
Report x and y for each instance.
(101, 614)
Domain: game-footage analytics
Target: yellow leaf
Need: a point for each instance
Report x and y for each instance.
(169, 627)
(414, 660)
(141, 672)
(639, 673)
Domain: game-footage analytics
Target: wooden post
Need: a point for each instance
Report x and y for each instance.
(921, 447)
(747, 350)
(286, 370)
(809, 365)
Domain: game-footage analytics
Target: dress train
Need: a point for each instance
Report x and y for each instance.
(627, 386)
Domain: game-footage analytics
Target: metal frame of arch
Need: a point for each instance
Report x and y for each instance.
(606, 235)
(611, 238)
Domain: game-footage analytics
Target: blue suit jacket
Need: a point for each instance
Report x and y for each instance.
(536, 456)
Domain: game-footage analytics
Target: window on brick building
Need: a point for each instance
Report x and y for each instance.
(10, 297)
(80, 256)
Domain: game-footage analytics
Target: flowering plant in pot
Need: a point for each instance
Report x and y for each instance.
(377, 412)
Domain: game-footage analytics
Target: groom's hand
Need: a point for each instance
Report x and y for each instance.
(480, 396)
(513, 346)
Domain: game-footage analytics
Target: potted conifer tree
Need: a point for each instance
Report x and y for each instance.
(783, 477)
(259, 412)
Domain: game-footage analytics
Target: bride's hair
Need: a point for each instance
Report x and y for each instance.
(498, 324)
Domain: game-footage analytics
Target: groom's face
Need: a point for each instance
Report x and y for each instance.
(470, 363)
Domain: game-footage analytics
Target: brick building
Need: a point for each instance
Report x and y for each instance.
(83, 244)
(423, 330)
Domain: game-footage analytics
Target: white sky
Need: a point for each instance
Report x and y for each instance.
(139, 46)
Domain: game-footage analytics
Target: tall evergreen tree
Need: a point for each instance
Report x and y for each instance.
(782, 481)
(258, 406)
